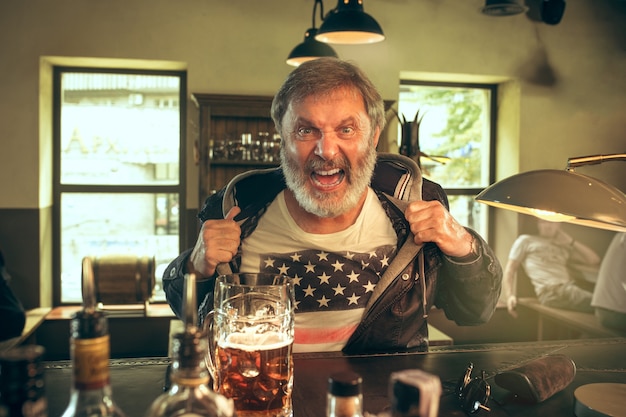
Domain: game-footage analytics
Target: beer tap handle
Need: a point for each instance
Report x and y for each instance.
(190, 305)
(88, 285)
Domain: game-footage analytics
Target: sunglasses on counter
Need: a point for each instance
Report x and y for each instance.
(473, 393)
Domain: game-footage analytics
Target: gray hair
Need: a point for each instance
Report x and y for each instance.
(321, 77)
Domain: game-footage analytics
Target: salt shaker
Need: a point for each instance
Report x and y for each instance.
(414, 393)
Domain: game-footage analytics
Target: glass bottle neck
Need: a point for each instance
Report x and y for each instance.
(345, 406)
(90, 363)
(188, 376)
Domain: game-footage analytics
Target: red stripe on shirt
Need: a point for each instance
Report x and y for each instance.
(306, 336)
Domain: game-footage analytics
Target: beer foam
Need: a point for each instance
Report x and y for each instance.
(256, 341)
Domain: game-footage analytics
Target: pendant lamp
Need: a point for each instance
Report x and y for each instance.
(310, 48)
(349, 24)
(563, 195)
(503, 8)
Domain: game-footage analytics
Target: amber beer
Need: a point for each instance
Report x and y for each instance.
(256, 371)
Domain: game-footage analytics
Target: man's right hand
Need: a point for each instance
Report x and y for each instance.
(511, 303)
(217, 243)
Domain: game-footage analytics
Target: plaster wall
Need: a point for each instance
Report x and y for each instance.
(569, 77)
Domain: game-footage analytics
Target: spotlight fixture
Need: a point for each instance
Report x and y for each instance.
(349, 24)
(311, 48)
(563, 196)
(503, 8)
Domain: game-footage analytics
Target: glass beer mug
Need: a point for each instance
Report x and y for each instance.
(250, 333)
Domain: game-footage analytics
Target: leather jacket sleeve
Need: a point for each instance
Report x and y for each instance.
(468, 292)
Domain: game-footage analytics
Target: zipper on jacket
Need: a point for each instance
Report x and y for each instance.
(423, 275)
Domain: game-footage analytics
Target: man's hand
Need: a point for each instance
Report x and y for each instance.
(562, 239)
(217, 242)
(511, 304)
(431, 222)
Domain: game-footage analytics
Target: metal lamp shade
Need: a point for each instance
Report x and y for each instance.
(349, 24)
(309, 49)
(503, 8)
(560, 196)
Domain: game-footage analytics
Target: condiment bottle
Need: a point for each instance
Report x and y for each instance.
(345, 397)
(22, 387)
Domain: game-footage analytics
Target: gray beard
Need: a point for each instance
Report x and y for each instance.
(332, 204)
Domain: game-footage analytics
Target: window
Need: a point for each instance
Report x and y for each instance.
(118, 170)
(456, 138)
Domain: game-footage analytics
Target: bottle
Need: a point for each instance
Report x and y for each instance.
(189, 394)
(22, 388)
(91, 394)
(345, 397)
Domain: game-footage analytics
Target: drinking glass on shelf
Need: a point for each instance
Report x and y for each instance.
(235, 149)
(272, 149)
(250, 335)
(218, 149)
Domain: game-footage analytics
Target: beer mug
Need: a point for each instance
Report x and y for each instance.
(250, 333)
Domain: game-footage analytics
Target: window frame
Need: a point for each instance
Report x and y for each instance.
(493, 124)
(58, 188)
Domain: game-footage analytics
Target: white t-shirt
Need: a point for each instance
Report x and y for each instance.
(334, 274)
(610, 289)
(544, 262)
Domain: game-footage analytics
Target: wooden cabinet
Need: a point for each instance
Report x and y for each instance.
(236, 134)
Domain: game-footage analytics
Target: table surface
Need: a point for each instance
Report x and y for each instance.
(137, 382)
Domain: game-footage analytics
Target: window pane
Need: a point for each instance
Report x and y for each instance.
(119, 129)
(95, 224)
(468, 212)
(455, 141)
(454, 132)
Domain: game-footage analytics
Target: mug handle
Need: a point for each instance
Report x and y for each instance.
(209, 359)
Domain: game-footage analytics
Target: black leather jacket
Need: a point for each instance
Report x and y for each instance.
(419, 277)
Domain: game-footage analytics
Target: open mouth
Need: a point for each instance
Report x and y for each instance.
(328, 178)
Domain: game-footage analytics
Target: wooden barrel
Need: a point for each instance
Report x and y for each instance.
(123, 279)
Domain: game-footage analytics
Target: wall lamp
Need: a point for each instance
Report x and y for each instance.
(349, 24)
(311, 48)
(563, 195)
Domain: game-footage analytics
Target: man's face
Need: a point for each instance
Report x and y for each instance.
(547, 229)
(328, 152)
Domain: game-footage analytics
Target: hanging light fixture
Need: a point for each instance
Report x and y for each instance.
(562, 196)
(503, 8)
(349, 24)
(310, 48)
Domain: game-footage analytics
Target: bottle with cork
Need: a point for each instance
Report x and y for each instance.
(189, 393)
(91, 394)
(345, 396)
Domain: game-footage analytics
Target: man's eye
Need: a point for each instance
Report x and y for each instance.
(347, 132)
(306, 132)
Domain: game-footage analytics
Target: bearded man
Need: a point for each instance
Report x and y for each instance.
(369, 244)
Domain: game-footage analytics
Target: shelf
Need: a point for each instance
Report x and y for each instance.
(228, 162)
(221, 116)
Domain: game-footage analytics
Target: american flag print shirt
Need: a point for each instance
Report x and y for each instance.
(334, 274)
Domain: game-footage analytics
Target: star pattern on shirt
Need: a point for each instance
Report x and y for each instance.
(326, 281)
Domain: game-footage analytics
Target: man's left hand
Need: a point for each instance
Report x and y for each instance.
(431, 222)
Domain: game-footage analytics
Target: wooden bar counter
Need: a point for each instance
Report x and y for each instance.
(137, 382)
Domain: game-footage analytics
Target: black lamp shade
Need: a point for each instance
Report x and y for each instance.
(309, 49)
(503, 8)
(349, 24)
